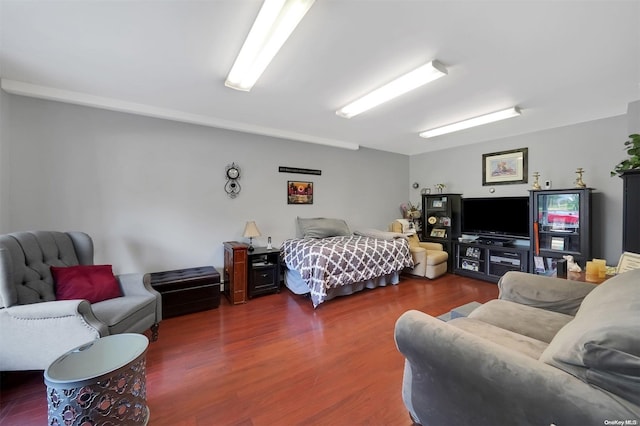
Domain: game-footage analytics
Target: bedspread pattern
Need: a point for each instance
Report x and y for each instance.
(331, 262)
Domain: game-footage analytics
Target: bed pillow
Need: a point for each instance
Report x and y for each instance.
(94, 283)
(322, 227)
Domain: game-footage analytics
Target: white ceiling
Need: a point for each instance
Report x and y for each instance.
(561, 62)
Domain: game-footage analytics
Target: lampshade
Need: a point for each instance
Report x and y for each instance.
(251, 230)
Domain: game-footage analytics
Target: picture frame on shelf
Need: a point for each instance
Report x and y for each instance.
(505, 167)
(439, 233)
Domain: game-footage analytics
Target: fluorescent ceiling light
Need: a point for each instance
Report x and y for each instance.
(472, 122)
(401, 85)
(275, 22)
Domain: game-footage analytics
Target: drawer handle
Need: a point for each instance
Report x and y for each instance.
(265, 275)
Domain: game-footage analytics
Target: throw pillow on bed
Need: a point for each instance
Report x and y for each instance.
(322, 227)
(94, 283)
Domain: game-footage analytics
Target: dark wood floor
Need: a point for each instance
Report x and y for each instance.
(276, 360)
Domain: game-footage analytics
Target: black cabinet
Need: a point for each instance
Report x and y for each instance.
(631, 211)
(441, 221)
(560, 225)
(489, 262)
(264, 271)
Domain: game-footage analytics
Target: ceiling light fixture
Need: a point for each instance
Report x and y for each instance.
(472, 122)
(401, 85)
(275, 22)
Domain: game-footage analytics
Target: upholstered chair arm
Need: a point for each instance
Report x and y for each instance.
(134, 284)
(550, 293)
(140, 284)
(431, 246)
(457, 378)
(419, 254)
(32, 336)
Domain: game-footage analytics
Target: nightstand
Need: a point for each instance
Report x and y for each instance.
(263, 271)
(235, 272)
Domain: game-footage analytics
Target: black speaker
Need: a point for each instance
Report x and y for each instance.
(561, 268)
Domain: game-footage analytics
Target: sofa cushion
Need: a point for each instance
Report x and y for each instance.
(435, 257)
(515, 341)
(602, 344)
(536, 323)
(122, 315)
(94, 283)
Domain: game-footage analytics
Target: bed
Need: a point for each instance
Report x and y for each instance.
(329, 261)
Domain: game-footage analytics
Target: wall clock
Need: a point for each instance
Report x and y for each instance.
(232, 187)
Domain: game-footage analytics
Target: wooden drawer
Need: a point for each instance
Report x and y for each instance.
(264, 279)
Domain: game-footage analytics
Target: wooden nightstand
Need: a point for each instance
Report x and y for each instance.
(263, 271)
(249, 274)
(235, 272)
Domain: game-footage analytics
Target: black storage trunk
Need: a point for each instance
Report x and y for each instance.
(187, 290)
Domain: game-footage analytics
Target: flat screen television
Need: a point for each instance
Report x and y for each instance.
(496, 216)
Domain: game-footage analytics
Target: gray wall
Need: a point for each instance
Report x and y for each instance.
(150, 191)
(633, 113)
(596, 146)
(4, 166)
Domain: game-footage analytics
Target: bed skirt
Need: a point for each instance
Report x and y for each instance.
(294, 282)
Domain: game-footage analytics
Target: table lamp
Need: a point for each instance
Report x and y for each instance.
(250, 231)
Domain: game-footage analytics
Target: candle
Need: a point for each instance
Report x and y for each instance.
(602, 267)
(592, 271)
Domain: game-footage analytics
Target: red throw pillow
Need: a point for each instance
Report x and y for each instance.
(94, 283)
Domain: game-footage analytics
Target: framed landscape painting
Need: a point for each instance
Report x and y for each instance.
(505, 167)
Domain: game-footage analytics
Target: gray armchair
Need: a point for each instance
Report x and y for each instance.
(548, 351)
(35, 328)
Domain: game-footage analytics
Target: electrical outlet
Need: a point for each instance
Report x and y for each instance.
(547, 184)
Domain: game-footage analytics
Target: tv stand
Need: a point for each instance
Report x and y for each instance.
(490, 258)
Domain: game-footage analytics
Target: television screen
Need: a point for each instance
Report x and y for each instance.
(499, 216)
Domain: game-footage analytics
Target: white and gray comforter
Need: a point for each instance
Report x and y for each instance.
(336, 261)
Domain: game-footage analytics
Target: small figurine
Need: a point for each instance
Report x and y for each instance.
(536, 184)
(579, 182)
(572, 266)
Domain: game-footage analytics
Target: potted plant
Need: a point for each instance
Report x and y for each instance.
(633, 162)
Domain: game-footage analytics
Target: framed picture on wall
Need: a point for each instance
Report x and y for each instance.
(299, 192)
(505, 167)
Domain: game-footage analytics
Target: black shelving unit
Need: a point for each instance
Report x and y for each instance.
(631, 211)
(560, 225)
(441, 221)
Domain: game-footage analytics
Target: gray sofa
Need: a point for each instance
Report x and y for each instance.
(549, 351)
(35, 328)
